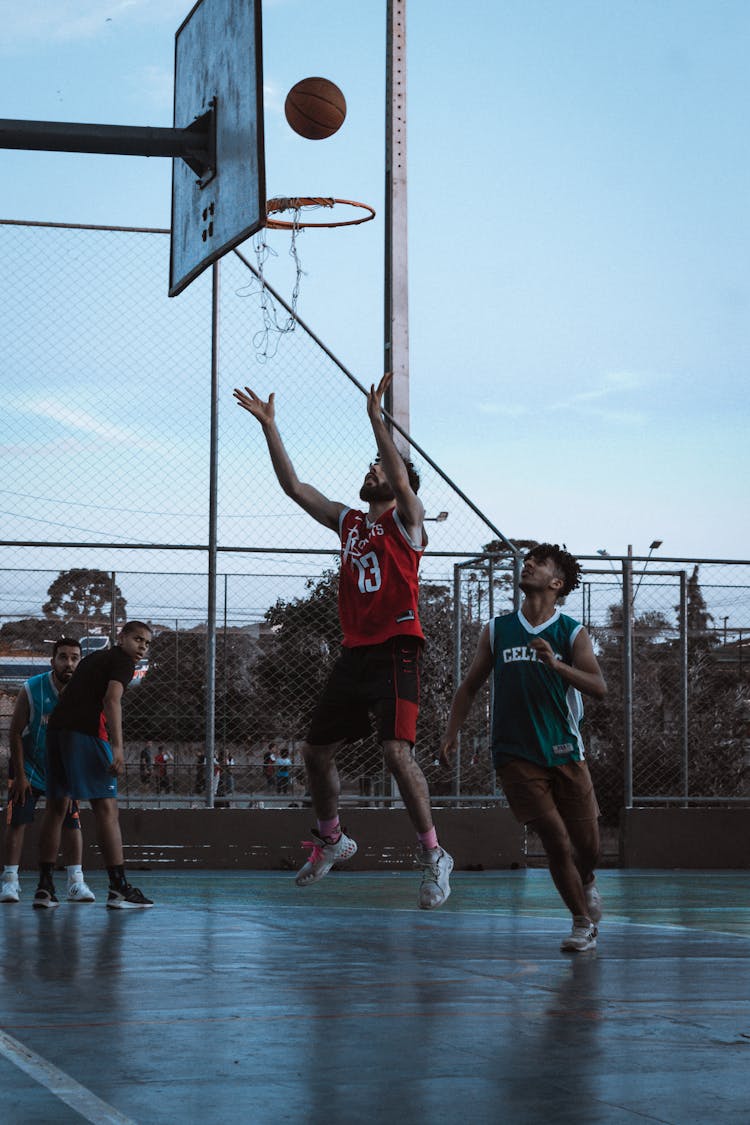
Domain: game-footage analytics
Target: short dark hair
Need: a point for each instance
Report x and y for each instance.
(567, 564)
(134, 626)
(414, 478)
(65, 642)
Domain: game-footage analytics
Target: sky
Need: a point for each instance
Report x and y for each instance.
(579, 260)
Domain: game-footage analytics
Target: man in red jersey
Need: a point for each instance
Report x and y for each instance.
(379, 667)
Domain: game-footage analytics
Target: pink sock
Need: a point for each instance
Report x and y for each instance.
(429, 840)
(330, 828)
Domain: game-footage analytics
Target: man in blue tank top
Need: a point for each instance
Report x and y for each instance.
(27, 774)
(542, 661)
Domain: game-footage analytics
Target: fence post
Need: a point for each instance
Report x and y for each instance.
(113, 611)
(457, 663)
(627, 676)
(212, 542)
(684, 724)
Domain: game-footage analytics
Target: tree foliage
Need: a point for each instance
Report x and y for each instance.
(81, 599)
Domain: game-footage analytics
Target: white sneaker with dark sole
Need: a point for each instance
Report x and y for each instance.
(582, 937)
(323, 856)
(436, 869)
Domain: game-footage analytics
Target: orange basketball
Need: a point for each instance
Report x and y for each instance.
(315, 108)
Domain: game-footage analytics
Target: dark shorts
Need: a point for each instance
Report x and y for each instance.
(19, 815)
(382, 680)
(78, 766)
(534, 791)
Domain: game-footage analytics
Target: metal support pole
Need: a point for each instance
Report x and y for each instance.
(517, 566)
(457, 663)
(684, 727)
(396, 326)
(212, 542)
(627, 675)
(113, 611)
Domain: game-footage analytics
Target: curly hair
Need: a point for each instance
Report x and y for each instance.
(411, 470)
(568, 566)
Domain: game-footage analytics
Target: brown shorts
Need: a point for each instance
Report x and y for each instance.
(533, 790)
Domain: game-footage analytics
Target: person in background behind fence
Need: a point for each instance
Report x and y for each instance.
(161, 770)
(27, 775)
(541, 662)
(145, 763)
(283, 772)
(85, 757)
(379, 668)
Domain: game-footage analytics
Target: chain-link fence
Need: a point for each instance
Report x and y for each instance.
(105, 516)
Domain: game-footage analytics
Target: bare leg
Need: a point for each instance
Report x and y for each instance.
(13, 844)
(49, 836)
(412, 784)
(562, 866)
(108, 834)
(323, 778)
(72, 846)
(584, 836)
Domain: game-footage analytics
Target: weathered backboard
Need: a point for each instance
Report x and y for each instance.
(218, 63)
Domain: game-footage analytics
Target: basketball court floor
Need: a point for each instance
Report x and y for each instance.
(240, 998)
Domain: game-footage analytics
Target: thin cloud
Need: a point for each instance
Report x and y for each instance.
(77, 419)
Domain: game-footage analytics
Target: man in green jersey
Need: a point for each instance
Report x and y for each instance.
(542, 661)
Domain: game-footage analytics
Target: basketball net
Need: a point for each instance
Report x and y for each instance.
(266, 341)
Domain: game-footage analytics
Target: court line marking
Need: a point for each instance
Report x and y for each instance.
(64, 1087)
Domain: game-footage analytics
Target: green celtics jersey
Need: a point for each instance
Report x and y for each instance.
(536, 715)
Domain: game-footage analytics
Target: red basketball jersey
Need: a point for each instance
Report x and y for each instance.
(378, 584)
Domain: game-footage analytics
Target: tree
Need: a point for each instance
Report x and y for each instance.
(81, 599)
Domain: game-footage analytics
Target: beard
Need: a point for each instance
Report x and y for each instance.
(372, 493)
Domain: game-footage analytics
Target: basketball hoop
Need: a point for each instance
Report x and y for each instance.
(266, 341)
(298, 204)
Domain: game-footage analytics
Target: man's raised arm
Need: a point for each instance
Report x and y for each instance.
(408, 504)
(317, 505)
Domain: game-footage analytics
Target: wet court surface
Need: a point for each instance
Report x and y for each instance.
(240, 998)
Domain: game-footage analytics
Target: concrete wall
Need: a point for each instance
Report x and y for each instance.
(270, 839)
(688, 838)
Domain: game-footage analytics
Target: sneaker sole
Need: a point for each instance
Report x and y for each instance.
(129, 905)
(315, 877)
(45, 905)
(85, 901)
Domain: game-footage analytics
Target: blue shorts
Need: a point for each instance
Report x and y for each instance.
(78, 766)
(19, 815)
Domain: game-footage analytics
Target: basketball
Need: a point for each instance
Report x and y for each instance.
(315, 108)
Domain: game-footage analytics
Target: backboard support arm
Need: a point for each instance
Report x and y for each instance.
(196, 144)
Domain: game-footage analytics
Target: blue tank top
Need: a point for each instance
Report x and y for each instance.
(42, 696)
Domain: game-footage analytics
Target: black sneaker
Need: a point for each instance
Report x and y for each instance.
(129, 898)
(45, 899)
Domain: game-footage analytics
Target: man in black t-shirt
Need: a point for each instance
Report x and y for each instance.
(85, 758)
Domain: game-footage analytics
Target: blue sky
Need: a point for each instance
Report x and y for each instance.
(578, 232)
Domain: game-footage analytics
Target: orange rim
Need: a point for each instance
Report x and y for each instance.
(274, 206)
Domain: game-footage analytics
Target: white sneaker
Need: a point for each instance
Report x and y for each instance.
(11, 892)
(593, 900)
(582, 937)
(436, 868)
(80, 892)
(323, 856)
